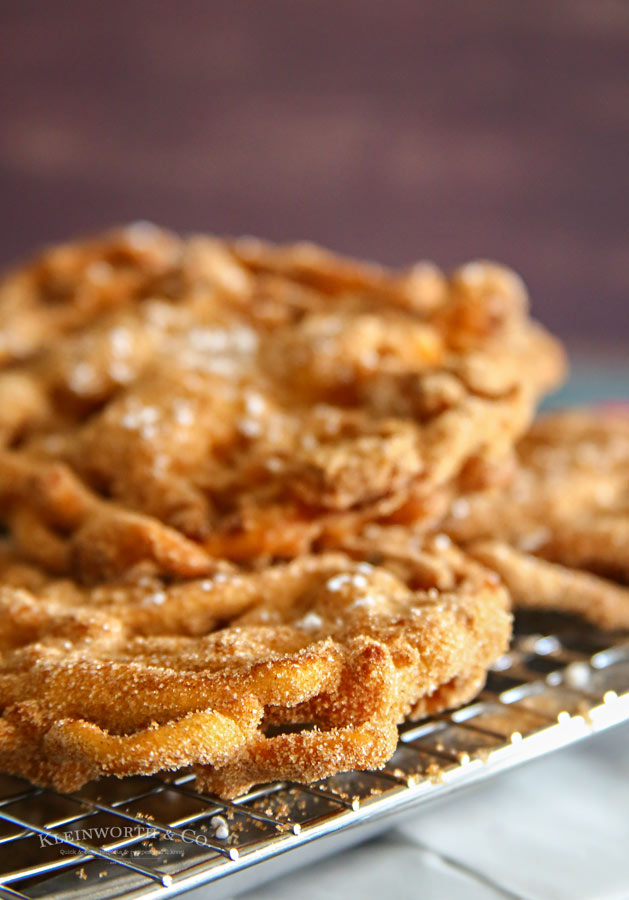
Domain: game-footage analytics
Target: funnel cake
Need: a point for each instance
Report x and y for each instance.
(298, 671)
(557, 533)
(170, 402)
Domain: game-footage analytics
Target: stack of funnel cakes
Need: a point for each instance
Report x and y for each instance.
(188, 429)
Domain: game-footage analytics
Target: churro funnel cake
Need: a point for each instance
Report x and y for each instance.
(557, 532)
(132, 678)
(195, 436)
(169, 402)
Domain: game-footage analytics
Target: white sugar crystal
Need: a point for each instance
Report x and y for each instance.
(140, 417)
(120, 340)
(250, 428)
(210, 340)
(245, 340)
(359, 581)
(81, 378)
(254, 404)
(184, 415)
(160, 313)
(221, 340)
(366, 601)
(310, 622)
(221, 826)
(120, 371)
(460, 508)
(337, 582)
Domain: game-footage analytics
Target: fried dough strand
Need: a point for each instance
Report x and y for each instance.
(204, 672)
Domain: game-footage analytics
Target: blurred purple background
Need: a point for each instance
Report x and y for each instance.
(393, 129)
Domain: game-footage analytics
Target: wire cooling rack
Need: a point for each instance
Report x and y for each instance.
(153, 837)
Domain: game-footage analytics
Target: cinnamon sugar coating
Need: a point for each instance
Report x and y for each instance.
(559, 535)
(148, 674)
(556, 531)
(172, 402)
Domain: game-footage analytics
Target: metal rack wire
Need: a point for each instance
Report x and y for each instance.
(153, 837)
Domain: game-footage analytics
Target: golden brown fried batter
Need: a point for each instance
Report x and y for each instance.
(559, 536)
(569, 500)
(69, 285)
(557, 533)
(535, 583)
(172, 401)
(143, 675)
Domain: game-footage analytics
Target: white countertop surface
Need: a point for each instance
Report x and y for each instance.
(554, 829)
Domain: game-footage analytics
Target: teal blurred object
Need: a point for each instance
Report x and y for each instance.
(593, 381)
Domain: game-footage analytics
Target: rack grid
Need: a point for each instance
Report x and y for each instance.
(154, 837)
